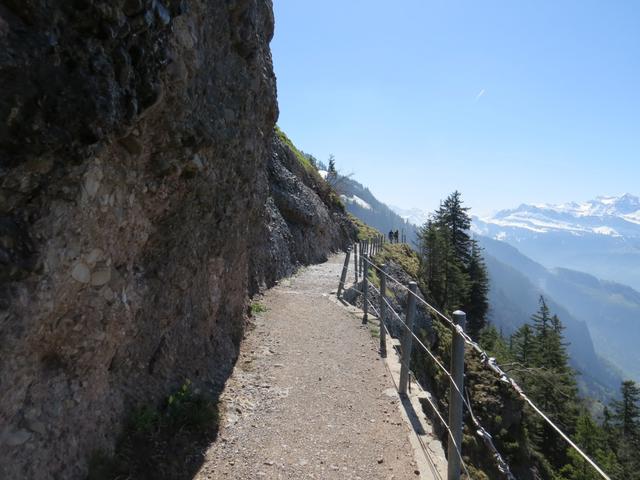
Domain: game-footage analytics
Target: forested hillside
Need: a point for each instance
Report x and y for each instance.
(609, 310)
(360, 202)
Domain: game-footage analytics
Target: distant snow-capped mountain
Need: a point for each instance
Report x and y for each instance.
(612, 216)
(601, 236)
(412, 215)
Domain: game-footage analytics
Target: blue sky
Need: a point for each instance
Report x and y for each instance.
(507, 101)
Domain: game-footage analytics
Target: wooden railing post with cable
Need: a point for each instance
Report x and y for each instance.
(455, 397)
(383, 308)
(407, 338)
(343, 276)
(365, 289)
(355, 260)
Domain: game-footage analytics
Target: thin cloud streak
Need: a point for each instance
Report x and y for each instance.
(480, 94)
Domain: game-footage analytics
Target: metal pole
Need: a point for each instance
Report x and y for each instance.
(365, 289)
(383, 307)
(407, 339)
(360, 261)
(455, 398)
(345, 267)
(355, 260)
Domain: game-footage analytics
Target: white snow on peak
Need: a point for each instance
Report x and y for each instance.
(412, 215)
(323, 173)
(606, 215)
(357, 200)
(606, 231)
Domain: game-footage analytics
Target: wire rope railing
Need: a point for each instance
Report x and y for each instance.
(456, 390)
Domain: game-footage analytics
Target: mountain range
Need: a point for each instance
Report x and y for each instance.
(600, 237)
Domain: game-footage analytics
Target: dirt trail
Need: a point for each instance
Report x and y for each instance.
(309, 397)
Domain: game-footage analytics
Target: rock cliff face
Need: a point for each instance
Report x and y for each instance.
(303, 219)
(136, 151)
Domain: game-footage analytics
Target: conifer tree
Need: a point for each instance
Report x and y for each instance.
(332, 173)
(434, 251)
(541, 327)
(452, 267)
(592, 440)
(454, 217)
(551, 383)
(627, 410)
(477, 304)
(523, 350)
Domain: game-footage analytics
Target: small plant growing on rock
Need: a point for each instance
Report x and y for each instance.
(156, 441)
(257, 307)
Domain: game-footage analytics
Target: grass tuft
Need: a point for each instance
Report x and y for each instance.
(257, 307)
(156, 441)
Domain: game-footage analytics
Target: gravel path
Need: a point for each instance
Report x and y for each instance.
(309, 396)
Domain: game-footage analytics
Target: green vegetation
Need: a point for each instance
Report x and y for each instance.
(365, 232)
(156, 442)
(401, 254)
(257, 307)
(451, 265)
(536, 356)
(313, 178)
(302, 158)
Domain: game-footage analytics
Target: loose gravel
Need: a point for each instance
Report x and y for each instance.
(307, 397)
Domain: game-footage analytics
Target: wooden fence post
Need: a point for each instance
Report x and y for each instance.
(365, 289)
(355, 261)
(383, 311)
(407, 339)
(343, 276)
(455, 398)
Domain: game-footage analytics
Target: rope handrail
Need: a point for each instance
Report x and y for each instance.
(489, 362)
(444, 423)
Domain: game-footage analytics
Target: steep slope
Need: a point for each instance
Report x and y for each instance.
(514, 298)
(135, 185)
(363, 204)
(303, 218)
(610, 310)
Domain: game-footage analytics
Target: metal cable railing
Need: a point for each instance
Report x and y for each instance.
(480, 430)
(488, 362)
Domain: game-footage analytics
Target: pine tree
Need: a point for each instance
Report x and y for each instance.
(492, 341)
(332, 173)
(477, 304)
(454, 217)
(452, 265)
(523, 350)
(434, 251)
(592, 440)
(626, 412)
(552, 385)
(541, 327)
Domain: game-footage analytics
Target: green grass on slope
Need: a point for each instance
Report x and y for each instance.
(402, 254)
(304, 161)
(365, 232)
(327, 193)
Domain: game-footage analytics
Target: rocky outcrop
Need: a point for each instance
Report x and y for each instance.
(303, 219)
(135, 137)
